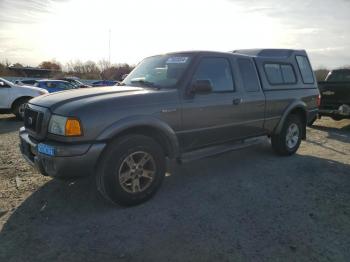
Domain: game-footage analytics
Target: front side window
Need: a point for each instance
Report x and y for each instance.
(217, 71)
(159, 71)
(305, 69)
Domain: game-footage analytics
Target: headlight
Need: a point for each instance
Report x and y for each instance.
(65, 126)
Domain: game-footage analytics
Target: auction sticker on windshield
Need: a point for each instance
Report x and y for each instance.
(177, 60)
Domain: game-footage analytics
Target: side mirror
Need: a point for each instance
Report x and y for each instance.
(124, 76)
(202, 87)
(3, 84)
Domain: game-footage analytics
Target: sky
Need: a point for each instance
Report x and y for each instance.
(32, 31)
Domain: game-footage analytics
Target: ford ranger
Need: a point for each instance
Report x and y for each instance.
(181, 106)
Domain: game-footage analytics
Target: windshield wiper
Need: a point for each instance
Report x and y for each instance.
(145, 83)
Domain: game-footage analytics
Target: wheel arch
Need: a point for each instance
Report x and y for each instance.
(296, 108)
(14, 103)
(148, 126)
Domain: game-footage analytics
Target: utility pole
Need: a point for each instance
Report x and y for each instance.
(109, 46)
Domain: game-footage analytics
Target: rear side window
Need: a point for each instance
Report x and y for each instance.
(305, 69)
(280, 74)
(217, 71)
(249, 75)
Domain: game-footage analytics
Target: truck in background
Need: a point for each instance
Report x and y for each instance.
(335, 95)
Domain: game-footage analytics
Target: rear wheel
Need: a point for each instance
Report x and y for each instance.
(288, 140)
(19, 106)
(131, 170)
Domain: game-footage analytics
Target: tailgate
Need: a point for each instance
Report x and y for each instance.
(334, 94)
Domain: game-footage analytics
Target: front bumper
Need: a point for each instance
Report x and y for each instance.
(69, 160)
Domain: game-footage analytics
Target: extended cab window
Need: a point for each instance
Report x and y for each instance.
(217, 71)
(305, 69)
(280, 74)
(249, 75)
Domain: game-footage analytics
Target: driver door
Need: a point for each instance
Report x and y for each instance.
(207, 118)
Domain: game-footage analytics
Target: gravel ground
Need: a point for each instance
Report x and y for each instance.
(248, 205)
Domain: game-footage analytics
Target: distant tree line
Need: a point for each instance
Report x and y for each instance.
(101, 70)
(84, 70)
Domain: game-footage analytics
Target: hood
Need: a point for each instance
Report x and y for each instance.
(33, 88)
(86, 95)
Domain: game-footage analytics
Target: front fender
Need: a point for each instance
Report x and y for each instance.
(142, 121)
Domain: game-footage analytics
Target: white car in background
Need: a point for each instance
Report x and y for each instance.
(13, 98)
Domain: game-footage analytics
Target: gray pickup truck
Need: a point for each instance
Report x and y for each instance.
(181, 106)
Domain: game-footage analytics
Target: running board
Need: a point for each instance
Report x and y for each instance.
(219, 149)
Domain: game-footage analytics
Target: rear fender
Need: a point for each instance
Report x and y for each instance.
(296, 105)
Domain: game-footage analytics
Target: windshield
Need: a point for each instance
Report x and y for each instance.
(158, 71)
(339, 76)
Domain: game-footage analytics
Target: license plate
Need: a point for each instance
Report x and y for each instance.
(46, 149)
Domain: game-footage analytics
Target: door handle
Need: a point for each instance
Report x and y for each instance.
(237, 101)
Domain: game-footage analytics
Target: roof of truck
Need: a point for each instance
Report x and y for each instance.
(266, 53)
(277, 53)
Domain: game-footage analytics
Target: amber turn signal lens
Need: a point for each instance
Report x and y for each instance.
(73, 127)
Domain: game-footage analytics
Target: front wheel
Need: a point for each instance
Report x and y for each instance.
(19, 107)
(131, 170)
(288, 140)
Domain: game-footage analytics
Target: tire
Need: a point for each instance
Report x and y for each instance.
(117, 172)
(281, 143)
(18, 108)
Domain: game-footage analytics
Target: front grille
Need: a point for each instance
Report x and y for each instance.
(33, 120)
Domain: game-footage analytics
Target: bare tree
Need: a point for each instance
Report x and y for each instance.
(104, 64)
(52, 65)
